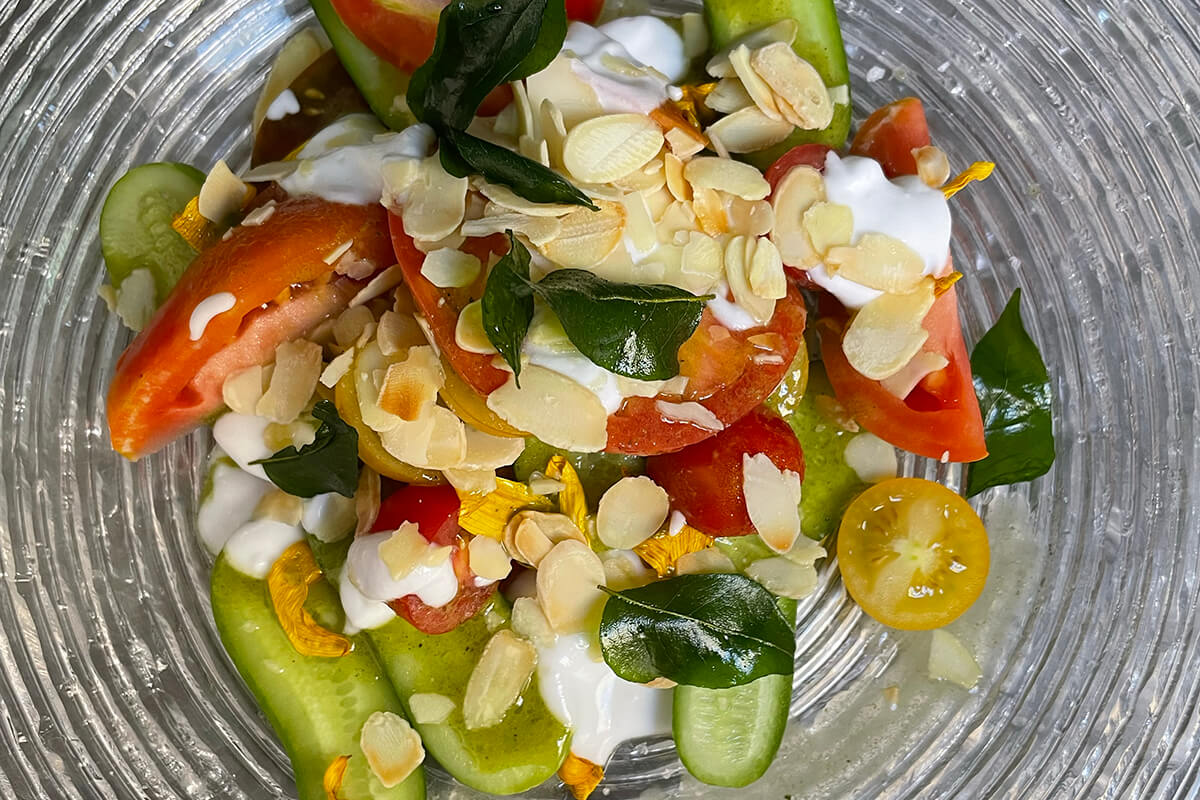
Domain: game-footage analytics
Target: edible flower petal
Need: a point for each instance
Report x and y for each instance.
(288, 583)
(580, 775)
(664, 548)
(191, 225)
(571, 498)
(488, 514)
(332, 780)
(978, 171)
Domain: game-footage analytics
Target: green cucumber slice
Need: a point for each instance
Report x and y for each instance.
(597, 471)
(135, 223)
(383, 86)
(317, 706)
(728, 737)
(525, 749)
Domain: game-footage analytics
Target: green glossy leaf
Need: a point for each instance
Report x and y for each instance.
(632, 330)
(480, 44)
(1014, 397)
(713, 631)
(528, 178)
(328, 464)
(507, 304)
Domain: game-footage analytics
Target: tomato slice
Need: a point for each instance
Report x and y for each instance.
(435, 511)
(584, 10)
(805, 155)
(704, 480)
(912, 553)
(166, 383)
(891, 134)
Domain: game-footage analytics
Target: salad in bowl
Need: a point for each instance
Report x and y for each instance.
(549, 351)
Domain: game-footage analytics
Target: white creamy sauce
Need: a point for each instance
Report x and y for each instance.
(330, 517)
(352, 129)
(601, 709)
(229, 505)
(728, 312)
(285, 104)
(352, 173)
(611, 389)
(255, 546)
(434, 585)
(593, 56)
(362, 613)
(651, 41)
(206, 310)
(241, 437)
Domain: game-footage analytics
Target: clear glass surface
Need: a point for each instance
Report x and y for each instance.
(113, 683)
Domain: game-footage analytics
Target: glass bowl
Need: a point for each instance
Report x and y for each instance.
(114, 684)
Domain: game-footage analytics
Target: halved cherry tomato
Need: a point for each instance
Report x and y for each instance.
(704, 481)
(912, 553)
(167, 383)
(584, 10)
(435, 511)
(805, 155)
(891, 134)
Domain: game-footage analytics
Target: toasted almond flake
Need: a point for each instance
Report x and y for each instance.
(728, 96)
(436, 440)
(695, 34)
(279, 506)
(676, 183)
(397, 333)
(624, 570)
(354, 267)
(685, 142)
(471, 481)
(784, 578)
(259, 215)
(978, 171)
(784, 30)
(366, 500)
(546, 486)
(450, 268)
(391, 746)
(433, 205)
(535, 149)
(878, 262)
(410, 386)
(336, 253)
(709, 211)
(379, 285)
(297, 369)
(690, 413)
(567, 587)
(530, 535)
(923, 364)
(638, 223)
(136, 299)
(430, 708)
(767, 279)
(772, 501)
(739, 255)
(679, 217)
(540, 231)
(703, 562)
(403, 551)
(242, 390)
(554, 132)
(749, 218)
(606, 148)
(871, 458)
(489, 514)
(488, 559)
(734, 177)
(649, 178)
(331, 780)
(631, 511)
(799, 190)
(703, 262)
(287, 584)
(799, 91)
(529, 622)
(350, 325)
(755, 86)
(580, 776)
(553, 408)
(828, 225)
(527, 123)
(222, 195)
(749, 130)
(933, 167)
(886, 333)
(950, 660)
(572, 500)
(468, 331)
(503, 671)
(506, 198)
(663, 550)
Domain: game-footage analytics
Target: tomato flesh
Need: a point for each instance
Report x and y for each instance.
(912, 553)
(166, 383)
(584, 10)
(891, 134)
(704, 480)
(805, 155)
(434, 509)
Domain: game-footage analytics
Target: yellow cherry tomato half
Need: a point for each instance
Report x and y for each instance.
(913, 554)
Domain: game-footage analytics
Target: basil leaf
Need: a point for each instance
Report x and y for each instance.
(507, 304)
(499, 165)
(1014, 396)
(549, 42)
(328, 464)
(713, 631)
(632, 330)
(479, 45)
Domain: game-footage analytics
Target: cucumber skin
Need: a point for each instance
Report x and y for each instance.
(694, 730)
(317, 706)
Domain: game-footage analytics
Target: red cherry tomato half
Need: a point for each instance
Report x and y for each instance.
(704, 481)
(805, 155)
(891, 134)
(584, 10)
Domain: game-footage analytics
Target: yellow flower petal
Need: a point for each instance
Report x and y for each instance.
(664, 548)
(580, 775)
(333, 776)
(978, 171)
(488, 514)
(197, 231)
(288, 583)
(571, 498)
(692, 106)
(942, 285)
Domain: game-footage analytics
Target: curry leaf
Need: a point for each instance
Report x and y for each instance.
(526, 177)
(507, 304)
(629, 329)
(328, 464)
(1014, 396)
(713, 631)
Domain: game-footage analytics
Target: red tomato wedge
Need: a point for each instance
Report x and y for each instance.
(730, 372)
(167, 383)
(805, 155)
(704, 481)
(584, 10)
(891, 134)
(435, 511)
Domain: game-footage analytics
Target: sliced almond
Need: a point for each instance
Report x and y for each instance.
(610, 147)
(728, 96)
(488, 559)
(538, 230)
(471, 481)
(527, 123)
(649, 178)
(391, 746)
(432, 206)
(638, 222)
(799, 190)
(403, 551)
(222, 194)
(676, 183)
(631, 512)
(450, 269)
(397, 333)
(784, 30)
(469, 333)
(800, 92)
(625, 570)
(703, 262)
(554, 408)
(784, 578)
(350, 325)
(568, 582)
(530, 535)
(932, 166)
(871, 458)
(587, 237)
(410, 386)
(703, 562)
(886, 333)
(242, 390)
(689, 413)
(685, 142)
(766, 271)
(756, 87)
(749, 218)
(437, 440)
(916, 370)
(293, 381)
(739, 254)
(950, 660)
(722, 174)
(554, 132)
(529, 622)
(709, 211)
(678, 218)
(749, 130)
(828, 225)
(430, 708)
(878, 262)
(496, 683)
(772, 501)
(507, 198)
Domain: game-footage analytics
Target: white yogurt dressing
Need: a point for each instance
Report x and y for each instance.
(285, 104)
(434, 585)
(352, 129)
(353, 173)
(728, 312)
(362, 613)
(255, 546)
(650, 41)
(602, 709)
(241, 437)
(904, 208)
(229, 504)
(206, 310)
(593, 56)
